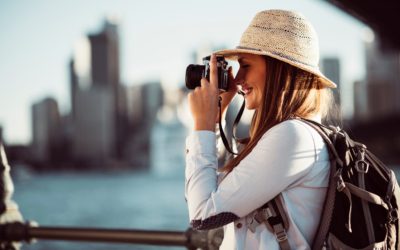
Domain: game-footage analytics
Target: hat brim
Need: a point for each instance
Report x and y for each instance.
(232, 54)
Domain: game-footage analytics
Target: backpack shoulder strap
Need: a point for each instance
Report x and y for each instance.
(324, 132)
(274, 217)
(327, 211)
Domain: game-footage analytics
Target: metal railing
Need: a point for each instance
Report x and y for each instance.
(191, 239)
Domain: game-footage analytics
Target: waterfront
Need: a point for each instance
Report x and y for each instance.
(148, 199)
(128, 200)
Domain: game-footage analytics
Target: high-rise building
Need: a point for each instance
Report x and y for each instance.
(105, 74)
(331, 69)
(105, 56)
(74, 87)
(152, 100)
(134, 105)
(98, 99)
(46, 130)
(94, 135)
(383, 80)
(360, 101)
(144, 102)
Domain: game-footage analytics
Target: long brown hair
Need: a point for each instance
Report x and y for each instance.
(288, 91)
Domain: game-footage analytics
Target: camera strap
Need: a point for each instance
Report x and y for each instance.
(235, 124)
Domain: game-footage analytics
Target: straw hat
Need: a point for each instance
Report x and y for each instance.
(284, 35)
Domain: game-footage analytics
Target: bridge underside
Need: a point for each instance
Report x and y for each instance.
(382, 16)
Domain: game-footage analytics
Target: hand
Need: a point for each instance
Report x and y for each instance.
(203, 101)
(228, 96)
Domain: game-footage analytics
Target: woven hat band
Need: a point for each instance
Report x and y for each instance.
(280, 55)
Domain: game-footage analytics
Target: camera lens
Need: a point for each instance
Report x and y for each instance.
(194, 74)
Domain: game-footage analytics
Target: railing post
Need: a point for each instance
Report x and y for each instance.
(8, 209)
(206, 240)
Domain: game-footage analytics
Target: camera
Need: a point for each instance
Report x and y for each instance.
(194, 73)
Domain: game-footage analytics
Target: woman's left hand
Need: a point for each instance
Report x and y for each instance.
(203, 101)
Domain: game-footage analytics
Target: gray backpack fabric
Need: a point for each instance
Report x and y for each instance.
(361, 206)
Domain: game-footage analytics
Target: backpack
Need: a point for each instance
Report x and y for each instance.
(361, 204)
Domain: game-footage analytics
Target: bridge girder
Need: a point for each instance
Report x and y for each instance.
(382, 16)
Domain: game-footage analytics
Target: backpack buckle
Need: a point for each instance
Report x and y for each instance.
(267, 213)
(252, 226)
(339, 179)
(361, 169)
(281, 236)
(361, 160)
(340, 185)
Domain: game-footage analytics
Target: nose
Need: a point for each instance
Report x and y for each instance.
(239, 79)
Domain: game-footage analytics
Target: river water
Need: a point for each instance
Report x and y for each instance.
(114, 200)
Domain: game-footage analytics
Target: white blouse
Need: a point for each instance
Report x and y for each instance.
(291, 158)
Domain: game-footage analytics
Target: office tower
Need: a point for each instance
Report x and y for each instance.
(98, 99)
(331, 69)
(94, 135)
(152, 100)
(74, 88)
(144, 101)
(46, 130)
(105, 74)
(383, 80)
(360, 101)
(134, 105)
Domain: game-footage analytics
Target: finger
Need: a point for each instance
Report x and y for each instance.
(204, 82)
(190, 97)
(231, 79)
(214, 71)
(230, 74)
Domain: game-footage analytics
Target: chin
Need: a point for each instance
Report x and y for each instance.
(250, 106)
(252, 102)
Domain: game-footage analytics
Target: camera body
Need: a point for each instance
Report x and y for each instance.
(195, 72)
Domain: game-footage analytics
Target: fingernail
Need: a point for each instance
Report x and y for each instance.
(213, 55)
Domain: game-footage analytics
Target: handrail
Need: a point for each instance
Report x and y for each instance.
(108, 235)
(191, 239)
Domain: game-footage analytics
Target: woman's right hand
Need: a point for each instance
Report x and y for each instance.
(228, 96)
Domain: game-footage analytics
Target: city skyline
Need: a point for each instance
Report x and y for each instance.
(39, 68)
(101, 131)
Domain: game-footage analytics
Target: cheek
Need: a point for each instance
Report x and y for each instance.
(260, 85)
(253, 101)
(260, 81)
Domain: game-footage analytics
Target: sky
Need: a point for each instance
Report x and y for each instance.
(157, 39)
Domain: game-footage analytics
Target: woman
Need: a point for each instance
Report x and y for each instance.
(278, 57)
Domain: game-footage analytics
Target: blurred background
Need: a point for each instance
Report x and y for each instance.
(93, 104)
